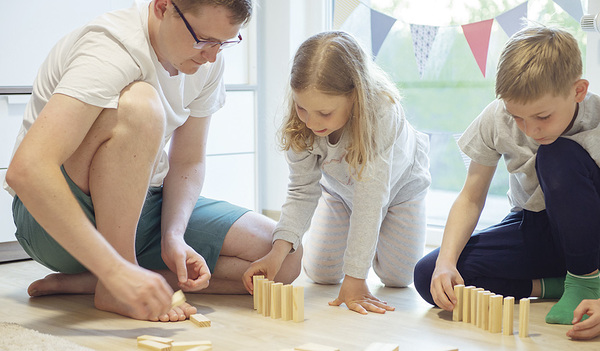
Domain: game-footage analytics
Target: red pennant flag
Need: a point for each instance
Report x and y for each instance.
(478, 37)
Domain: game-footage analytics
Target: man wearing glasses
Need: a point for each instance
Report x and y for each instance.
(97, 198)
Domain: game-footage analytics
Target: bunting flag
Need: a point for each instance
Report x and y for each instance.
(478, 37)
(380, 27)
(358, 24)
(342, 10)
(512, 21)
(423, 38)
(442, 45)
(573, 8)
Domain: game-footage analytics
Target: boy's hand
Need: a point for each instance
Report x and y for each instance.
(590, 328)
(357, 297)
(444, 278)
(191, 269)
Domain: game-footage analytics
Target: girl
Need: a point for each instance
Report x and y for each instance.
(357, 169)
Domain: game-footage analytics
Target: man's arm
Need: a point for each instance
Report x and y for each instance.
(182, 186)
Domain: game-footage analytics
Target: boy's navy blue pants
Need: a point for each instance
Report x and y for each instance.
(526, 245)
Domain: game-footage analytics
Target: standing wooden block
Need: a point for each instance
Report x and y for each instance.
(458, 308)
(287, 302)
(524, 317)
(474, 306)
(266, 300)
(276, 300)
(255, 295)
(480, 294)
(485, 322)
(298, 309)
(466, 315)
(496, 314)
(258, 292)
(507, 315)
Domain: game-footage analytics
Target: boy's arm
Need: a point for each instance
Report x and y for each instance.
(461, 223)
(181, 189)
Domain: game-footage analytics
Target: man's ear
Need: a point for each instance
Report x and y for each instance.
(581, 89)
(159, 7)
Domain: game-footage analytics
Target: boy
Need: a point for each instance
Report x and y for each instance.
(546, 126)
(96, 195)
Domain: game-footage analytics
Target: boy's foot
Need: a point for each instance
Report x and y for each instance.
(577, 289)
(60, 283)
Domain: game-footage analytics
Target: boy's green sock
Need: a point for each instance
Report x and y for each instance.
(577, 289)
(552, 288)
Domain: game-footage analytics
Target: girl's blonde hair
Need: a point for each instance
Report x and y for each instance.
(334, 63)
(536, 61)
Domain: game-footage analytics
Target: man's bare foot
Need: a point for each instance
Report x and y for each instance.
(179, 313)
(60, 283)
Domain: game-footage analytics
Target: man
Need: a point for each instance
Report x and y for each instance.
(97, 198)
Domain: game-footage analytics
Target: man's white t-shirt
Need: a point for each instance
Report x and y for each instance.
(97, 61)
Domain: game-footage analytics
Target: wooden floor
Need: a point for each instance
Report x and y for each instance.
(414, 325)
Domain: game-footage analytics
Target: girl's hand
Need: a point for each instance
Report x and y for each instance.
(590, 328)
(357, 297)
(191, 269)
(444, 278)
(268, 266)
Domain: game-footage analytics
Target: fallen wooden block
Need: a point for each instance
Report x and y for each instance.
(177, 299)
(379, 346)
(200, 320)
(190, 345)
(155, 338)
(153, 345)
(315, 347)
(201, 348)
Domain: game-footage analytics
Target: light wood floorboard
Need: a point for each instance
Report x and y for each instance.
(414, 325)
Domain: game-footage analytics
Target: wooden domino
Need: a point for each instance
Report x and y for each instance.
(524, 317)
(153, 345)
(315, 347)
(155, 338)
(177, 299)
(298, 307)
(255, 294)
(507, 315)
(458, 308)
(190, 345)
(266, 297)
(474, 294)
(276, 300)
(378, 346)
(485, 323)
(496, 313)
(466, 303)
(287, 302)
(200, 320)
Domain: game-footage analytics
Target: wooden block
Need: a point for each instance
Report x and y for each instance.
(479, 317)
(466, 314)
(314, 347)
(496, 314)
(474, 305)
(258, 292)
(485, 322)
(458, 308)
(507, 315)
(200, 320)
(276, 300)
(524, 317)
(254, 285)
(201, 348)
(287, 302)
(378, 346)
(189, 345)
(153, 345)
(298, 308)
(177, 299)
(155, 338)
(266, 300)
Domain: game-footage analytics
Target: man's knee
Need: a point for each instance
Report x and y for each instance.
(140, 108)
(422, 276)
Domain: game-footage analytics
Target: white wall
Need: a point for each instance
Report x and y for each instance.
(282, 26)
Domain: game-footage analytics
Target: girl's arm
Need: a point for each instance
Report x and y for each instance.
(461, 223)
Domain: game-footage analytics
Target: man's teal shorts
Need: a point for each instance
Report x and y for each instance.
(206, 230)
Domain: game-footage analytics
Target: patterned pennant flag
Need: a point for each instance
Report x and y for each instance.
(380, 27)
(423, 37)
(573, 8)
(478, 37)
(341, 10)
(511, 21)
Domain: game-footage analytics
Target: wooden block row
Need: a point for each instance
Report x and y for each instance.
(489, 311)
(276, 300)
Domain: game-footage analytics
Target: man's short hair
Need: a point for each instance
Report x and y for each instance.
(241, 10)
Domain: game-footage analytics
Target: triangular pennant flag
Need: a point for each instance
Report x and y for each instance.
(359, 25)
(380, 27)
(478, 37)
(440, 51)
(341, 10)
(423, 37)
(511, 20)
(573, 8)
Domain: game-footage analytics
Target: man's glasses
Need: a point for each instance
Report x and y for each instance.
(201, 44)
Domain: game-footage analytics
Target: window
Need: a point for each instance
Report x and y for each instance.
(450, 90)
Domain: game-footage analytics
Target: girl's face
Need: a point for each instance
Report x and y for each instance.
(324, 114)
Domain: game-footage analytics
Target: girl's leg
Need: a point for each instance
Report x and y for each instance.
(570, 180)
(326, 241)
(401, 242)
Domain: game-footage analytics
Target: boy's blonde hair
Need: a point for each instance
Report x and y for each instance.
(536, 61)
(334, 63)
